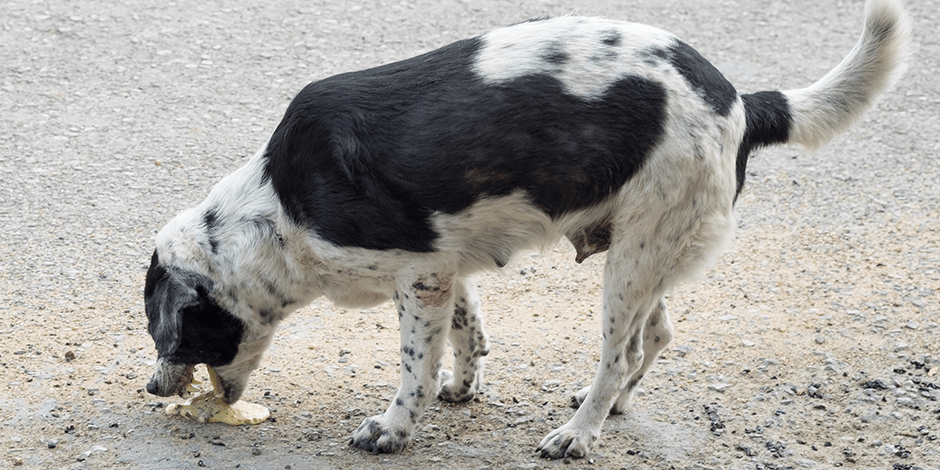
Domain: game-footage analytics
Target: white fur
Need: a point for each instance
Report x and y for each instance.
(831, 105)
(516, 51)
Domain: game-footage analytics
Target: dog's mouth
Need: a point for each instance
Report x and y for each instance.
(170, 379)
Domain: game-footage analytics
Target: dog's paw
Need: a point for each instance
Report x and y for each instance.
(453, 390)
(616, 409)
(567, 442)
(377, 435)
(578, 398)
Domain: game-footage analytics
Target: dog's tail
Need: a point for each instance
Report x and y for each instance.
(815, 115)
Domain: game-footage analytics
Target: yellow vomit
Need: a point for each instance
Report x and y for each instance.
(209, 406)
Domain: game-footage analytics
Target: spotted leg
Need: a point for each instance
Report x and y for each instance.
(656, 335)
(469, 342)
(630, 296)
(425, 306)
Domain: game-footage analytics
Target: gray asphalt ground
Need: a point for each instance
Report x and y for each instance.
(116, 115)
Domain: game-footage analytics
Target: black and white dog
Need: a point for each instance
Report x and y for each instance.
(402, 181)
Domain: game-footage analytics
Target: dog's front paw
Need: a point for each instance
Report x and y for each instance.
(567, 442)
(455, 391)
(377, 435)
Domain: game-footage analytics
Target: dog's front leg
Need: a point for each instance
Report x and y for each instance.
(425, 306)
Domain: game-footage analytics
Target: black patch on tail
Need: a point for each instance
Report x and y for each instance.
(768, 120)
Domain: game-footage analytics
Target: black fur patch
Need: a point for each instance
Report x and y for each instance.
(612, 38)
(210, 336)
(186, 324)
(652, 56)
(211, 221)
(365, 158)
(555, 54)
(768, 120)
(703, 77)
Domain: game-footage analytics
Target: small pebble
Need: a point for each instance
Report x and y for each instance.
(719, 387)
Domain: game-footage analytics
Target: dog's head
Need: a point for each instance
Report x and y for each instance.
(220, 281)
(188, 327)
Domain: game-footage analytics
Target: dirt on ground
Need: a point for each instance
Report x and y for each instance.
(812, 343)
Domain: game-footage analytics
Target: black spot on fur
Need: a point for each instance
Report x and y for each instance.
(459, 320)
(612, 38)
(366, 157)
(555, 55)
(419, 285)
(702, 77)
(432, 336)
(652, 56)
(768, 120)
(266, 315)
(211, 221)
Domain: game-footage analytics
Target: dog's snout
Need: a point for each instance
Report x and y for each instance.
(152, 387)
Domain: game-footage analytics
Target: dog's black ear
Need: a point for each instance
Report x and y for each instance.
(166, 293)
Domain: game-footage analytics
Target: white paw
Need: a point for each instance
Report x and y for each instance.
(455, 392)
(377, 435)
(567, 442)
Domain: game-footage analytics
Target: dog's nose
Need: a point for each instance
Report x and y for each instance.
(152, 387)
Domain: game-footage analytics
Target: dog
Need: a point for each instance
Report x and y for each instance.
(401, 181)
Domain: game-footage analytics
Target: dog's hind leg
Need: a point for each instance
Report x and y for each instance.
(425, 307)
(634, 282)
(656, 335)
(469, 342)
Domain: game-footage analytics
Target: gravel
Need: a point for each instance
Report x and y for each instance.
(811, 344)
